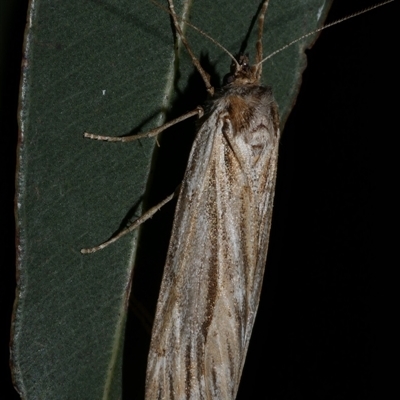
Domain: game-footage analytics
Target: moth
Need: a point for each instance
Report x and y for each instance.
(213, 273)
(216, 259)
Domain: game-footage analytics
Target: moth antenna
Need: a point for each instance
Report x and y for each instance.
(213, 41)
(198, 30)
(323, 28)
(259, 47)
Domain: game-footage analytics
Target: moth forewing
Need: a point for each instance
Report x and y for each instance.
(216, 258)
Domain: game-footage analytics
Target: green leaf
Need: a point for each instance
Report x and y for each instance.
(108, 67)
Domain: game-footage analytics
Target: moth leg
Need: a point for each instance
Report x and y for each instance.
(154, 132)
(195, 61)
(259, 48)
(148, 214)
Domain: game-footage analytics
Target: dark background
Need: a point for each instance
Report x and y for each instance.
(317, 338)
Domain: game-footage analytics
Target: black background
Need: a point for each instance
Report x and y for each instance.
(316, 333)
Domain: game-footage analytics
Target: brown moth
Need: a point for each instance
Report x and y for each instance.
(216, 259)
(215, 264)
(217, 253)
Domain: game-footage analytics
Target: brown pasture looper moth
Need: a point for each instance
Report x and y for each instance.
(215, 263)
(217, 253)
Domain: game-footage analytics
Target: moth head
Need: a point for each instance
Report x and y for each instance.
(242, 72)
